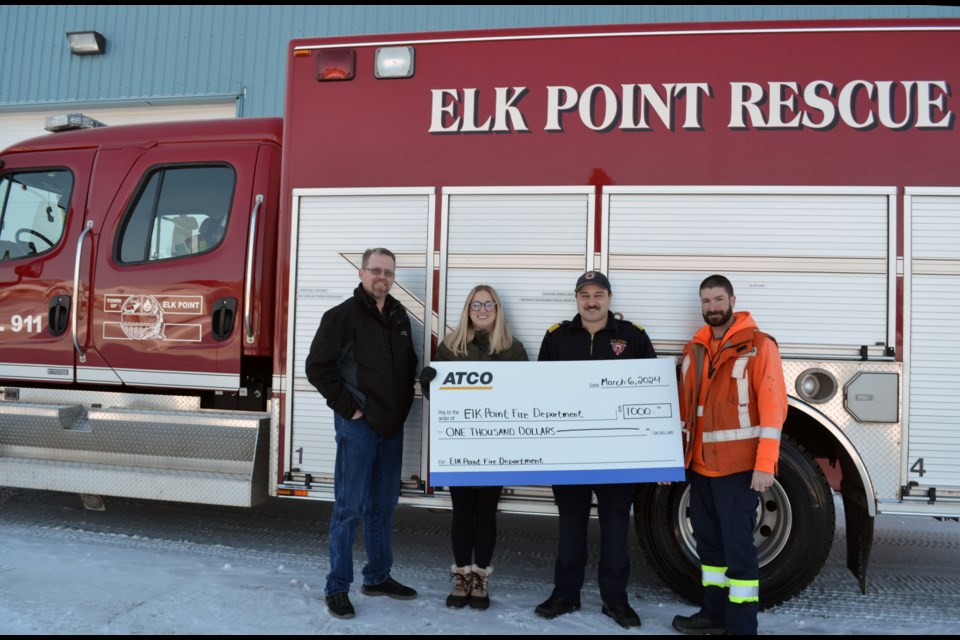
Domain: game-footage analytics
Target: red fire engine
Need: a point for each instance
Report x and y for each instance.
(160, 284)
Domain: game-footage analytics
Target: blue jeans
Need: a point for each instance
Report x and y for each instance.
(367, 487)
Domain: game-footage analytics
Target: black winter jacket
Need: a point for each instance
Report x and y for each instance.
(620, 339)
(363, 359)
(479, 350)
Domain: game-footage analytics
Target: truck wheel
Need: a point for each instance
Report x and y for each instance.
(794, 531)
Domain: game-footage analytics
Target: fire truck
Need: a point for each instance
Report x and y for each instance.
(160, 284)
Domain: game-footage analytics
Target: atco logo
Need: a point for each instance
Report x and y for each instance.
(468, 378)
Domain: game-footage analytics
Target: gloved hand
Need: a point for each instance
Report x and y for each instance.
(428, 374)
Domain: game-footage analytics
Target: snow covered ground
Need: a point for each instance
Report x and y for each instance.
(157, 568)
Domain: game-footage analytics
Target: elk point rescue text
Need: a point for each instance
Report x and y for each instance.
(820, 104)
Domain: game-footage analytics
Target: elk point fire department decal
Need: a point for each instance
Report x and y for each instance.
(146, 317)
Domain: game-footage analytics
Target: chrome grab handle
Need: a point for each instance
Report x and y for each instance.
(76, 292)
(248, 280)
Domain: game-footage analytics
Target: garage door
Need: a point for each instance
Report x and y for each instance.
(21, 125)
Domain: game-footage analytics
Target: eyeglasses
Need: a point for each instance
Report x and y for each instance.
(377, 271)
(489, 306)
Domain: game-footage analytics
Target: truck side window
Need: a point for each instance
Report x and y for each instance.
(33, 211)
(179, 211)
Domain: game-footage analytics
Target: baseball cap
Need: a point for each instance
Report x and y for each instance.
(593, 277)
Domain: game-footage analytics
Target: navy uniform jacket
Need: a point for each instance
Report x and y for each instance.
(568, 340)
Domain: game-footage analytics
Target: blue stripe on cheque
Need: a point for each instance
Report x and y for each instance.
(530, 478)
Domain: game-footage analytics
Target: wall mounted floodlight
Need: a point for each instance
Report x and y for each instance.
(86, 43)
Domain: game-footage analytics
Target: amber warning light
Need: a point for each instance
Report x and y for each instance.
(300, 493)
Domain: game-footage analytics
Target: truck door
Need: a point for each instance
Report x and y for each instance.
(167, 287)
(42, 199)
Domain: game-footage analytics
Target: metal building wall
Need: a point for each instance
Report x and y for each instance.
(210, 53)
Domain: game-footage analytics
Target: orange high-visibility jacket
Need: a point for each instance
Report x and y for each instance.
(732, 419)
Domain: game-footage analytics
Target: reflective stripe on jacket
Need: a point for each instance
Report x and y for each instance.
(733, 402)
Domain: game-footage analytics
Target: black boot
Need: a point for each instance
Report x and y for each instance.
(556, 606)
(622, 613)
(698, 624)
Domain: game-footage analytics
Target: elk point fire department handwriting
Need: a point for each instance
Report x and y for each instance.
(486, 413)
(818, 105)
(476, 462)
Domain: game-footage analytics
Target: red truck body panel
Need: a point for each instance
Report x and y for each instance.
(384, 126)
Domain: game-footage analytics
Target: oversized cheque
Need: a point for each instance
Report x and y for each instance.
(530, 423)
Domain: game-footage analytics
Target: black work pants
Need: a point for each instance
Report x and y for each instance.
(474, 528)
(613, 507)
(723, 515)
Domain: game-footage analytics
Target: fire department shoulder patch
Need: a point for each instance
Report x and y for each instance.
(618, 346)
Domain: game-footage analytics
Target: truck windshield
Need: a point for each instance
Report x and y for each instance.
(33, 211)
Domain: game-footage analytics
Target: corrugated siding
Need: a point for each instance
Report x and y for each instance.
(934, 364)
(213, 52)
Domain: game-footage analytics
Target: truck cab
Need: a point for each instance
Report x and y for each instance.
(137, 273)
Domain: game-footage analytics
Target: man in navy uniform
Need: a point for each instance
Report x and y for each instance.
(594, 334)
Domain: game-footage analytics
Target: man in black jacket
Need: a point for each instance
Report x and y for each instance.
(593, 334)
(363, 362)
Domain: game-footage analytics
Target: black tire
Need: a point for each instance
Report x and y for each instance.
(794, 533)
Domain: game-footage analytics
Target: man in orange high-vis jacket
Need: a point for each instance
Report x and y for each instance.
(733, 402)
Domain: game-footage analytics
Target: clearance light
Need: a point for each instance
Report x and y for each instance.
(394, 62)
(299, 493)
(340, 64)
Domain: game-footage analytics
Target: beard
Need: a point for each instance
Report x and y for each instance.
(718, 318)
(378, 290)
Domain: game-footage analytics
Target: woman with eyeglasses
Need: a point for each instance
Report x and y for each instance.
(483, 334)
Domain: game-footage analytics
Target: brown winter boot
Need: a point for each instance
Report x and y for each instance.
(462, 584)
(479, 596)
